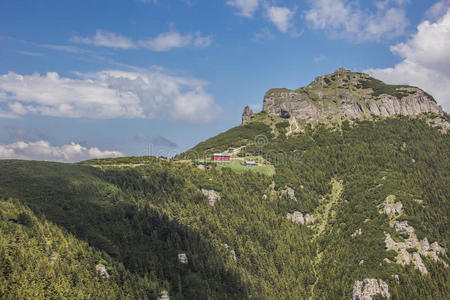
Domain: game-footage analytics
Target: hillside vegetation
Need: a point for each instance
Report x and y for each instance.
(135, 215)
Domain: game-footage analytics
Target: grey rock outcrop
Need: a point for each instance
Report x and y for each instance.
(212, 196)
(391, 207)
(402, 226)
(247, 114)
(299, 218)
(101, 270)
(182, 258)
(418, 201)
(290, 193)
(164, 295)
(232, 252)
(357, 232)
(342, 94)
(53, 258)
(404, 257)
(366, 289)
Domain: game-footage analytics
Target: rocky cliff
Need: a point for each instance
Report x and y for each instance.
(247, 114)
(350, 95)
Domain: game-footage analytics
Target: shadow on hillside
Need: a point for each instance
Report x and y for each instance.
(144, 240)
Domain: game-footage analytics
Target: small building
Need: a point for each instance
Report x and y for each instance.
(250, 163)
(220, 157)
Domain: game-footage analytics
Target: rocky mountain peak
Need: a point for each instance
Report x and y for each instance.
(348, 94)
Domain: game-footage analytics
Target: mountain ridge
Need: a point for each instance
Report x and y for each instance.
(349, 95)
(354, 208)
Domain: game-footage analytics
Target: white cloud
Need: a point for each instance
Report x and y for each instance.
(202, 41)
(344, 18)
(107, 94)
(166, 41)
(163, 42)
(280, 16)
(43, 150)
(263, 35)
(70, 49)
(437, 10)
(426, 60)
(28, 53)
(106, 39)
(246, 7)
(319, 58)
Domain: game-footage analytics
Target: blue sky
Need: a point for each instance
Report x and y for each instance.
(83, 79)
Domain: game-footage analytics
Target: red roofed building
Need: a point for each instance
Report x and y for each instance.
(220, 157)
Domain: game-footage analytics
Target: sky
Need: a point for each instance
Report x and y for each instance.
(106, 78)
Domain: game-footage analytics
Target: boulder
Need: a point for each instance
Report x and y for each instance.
(391, 207)
(53, 258)
(299, 218)
(164, 295)
(296, 217)
(101, 270)
(290, 193)
(232, 252)
(357, 232)
(212, 196)
(182, 258)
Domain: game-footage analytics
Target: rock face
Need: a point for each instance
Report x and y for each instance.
(364, 290)
(411, 249)
(101, 270)
(344, 94)
(403, 226)
(212, 195)
(247, 114)
(299, 218)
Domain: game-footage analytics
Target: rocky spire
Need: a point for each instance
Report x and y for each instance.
(247, 114)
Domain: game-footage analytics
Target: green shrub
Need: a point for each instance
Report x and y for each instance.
(25, 219)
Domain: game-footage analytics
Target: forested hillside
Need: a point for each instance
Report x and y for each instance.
(136, 215)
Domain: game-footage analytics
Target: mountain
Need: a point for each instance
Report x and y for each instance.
(337, 207)
(348, 94)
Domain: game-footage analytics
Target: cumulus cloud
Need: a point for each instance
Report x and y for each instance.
(172, 39)
(163, 42)
(345, 18)
(43, 150)
(280, 16)
(166, 41)
(437, 10)
(107, 94)
(106, 39)
(426, 60)
(246, 8)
